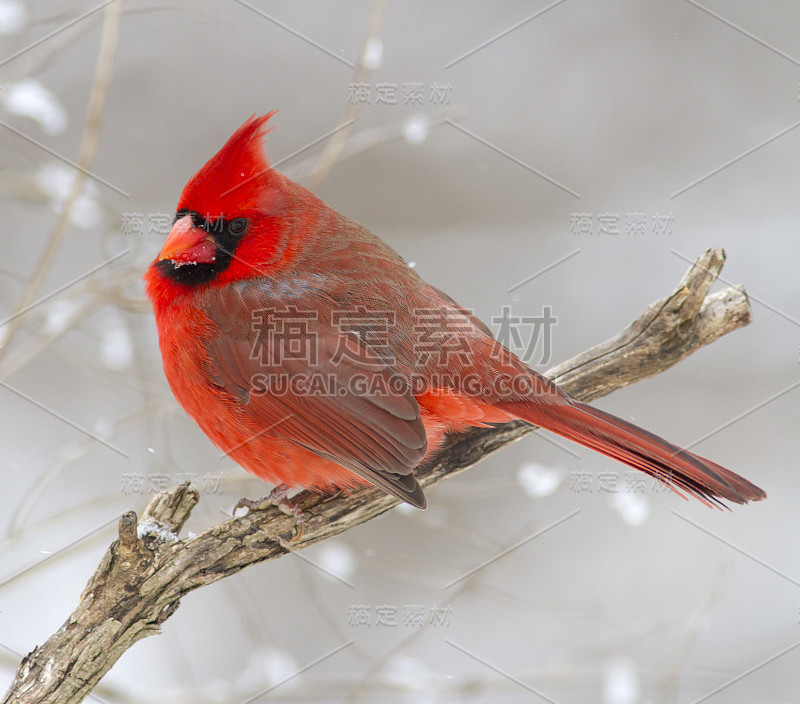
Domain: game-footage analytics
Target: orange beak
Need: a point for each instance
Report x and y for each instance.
(188, 244)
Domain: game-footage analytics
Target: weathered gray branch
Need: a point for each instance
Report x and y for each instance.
(143, 575)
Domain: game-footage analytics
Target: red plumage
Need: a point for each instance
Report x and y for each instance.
(310, 352)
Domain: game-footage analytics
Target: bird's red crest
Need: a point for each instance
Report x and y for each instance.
(236, 179)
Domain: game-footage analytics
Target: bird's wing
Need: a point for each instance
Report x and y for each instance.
(318, 386)
(474, 319)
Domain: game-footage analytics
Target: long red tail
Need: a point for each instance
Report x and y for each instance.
(677, 468)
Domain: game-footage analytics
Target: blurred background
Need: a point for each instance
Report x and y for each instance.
(532, 159)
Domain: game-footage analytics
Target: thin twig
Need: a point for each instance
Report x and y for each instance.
(86, 155)
(330, 155)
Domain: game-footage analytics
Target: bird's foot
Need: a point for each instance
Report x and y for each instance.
(277, 497)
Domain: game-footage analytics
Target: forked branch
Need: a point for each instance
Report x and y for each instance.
(144, 574)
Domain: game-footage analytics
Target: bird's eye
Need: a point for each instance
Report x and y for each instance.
(238, 226)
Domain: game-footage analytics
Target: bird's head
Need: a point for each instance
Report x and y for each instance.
(226, 222)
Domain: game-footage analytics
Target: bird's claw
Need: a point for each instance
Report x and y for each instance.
(276, 497)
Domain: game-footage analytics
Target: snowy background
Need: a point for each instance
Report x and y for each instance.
(578, 119)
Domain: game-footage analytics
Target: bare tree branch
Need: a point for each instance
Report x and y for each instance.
(143, 575)
(88, 149)
(335, 146)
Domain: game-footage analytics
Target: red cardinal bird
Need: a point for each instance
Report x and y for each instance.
(310, 352)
